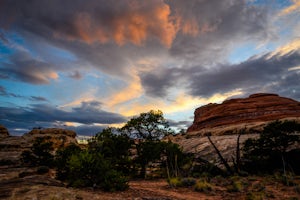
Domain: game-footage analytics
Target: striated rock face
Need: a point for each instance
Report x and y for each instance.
(3, 132)
(253, 112)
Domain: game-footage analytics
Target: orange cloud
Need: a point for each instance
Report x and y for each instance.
(182, 102)
(134, 25)
(294, 7)
(286, 49)
(132, 91)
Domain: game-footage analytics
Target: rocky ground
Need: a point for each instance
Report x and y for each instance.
(18, 182)
(44, 187)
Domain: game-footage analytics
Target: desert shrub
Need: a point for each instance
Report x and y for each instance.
(236, 186)
(62, 158)
(203, 186)
(91, 169)
(269, 152)
(174, 182)
(114, 181)
(42, 170)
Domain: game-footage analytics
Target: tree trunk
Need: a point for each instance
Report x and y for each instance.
(225, 163)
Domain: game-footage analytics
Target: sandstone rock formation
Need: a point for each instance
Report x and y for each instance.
(3, 132)
(252, 112)
(12, 147)
(59, 137)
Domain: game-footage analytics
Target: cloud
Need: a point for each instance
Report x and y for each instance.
(46, 115)
(266, 73)
(23, 67)
(292, 8)
(132, 91)
(112, 36)
(38, 98)
(75, 75)
(222, 25)
(96, 21)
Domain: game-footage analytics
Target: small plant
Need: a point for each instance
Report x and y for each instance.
(203, 186)
(174, 182)
(236, 186)
(254, 196)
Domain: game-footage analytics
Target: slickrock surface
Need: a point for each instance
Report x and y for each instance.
(252, 112)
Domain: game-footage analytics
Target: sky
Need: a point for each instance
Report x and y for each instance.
(88, 64)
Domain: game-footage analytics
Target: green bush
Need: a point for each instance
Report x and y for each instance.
(90, 169)
(114, 181)
(203, 186)
(62, 158)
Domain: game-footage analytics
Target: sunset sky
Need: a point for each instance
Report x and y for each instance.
(88, 64)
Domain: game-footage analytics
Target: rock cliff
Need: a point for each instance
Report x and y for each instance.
(252, 112)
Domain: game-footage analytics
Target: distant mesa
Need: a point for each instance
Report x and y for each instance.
(251, 113)
(3, 132)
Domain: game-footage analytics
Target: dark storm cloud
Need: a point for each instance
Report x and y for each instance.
(88, 113)
(253, 75)
(222, 24)
(113, 35)
(258, 74)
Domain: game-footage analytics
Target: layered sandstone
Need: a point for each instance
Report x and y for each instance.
(252, 112)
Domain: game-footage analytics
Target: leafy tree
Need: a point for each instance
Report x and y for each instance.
(113, 147)
(268, 152)
(175, 159)
(148, 126)
(148, 151)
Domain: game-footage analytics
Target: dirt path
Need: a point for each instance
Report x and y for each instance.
(161, 188)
